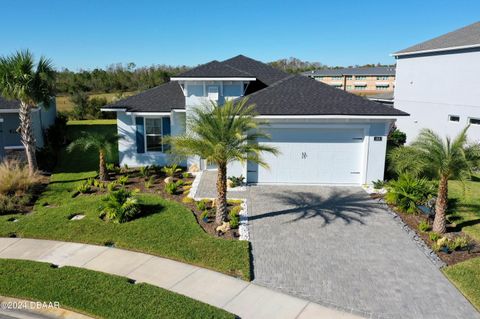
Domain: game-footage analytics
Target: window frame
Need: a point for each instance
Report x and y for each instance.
(453, 115)
(474, 118)
(146, 134)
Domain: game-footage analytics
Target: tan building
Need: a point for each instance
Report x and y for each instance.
(364, 81)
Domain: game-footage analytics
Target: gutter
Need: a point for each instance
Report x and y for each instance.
(461, 47)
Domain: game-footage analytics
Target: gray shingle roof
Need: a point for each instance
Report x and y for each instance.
(162, 98)
(8, 104)
(215, 69)
(466, 36)
(263, 72)
(300, 95)
(377, 70)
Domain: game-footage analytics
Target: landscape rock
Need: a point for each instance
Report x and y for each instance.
(223, 228)
(229, 183)
(168, 180)
(193, 168)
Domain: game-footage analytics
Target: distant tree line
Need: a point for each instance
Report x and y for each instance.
(294, 65)
(115, 78)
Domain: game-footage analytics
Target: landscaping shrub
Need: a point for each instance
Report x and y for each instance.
(187, 200)
(12, 203)
(234, 220)
(171, 188)
(112, 168)
(84, 187)
(202, 205)
(236, 210)
(379, 184)
(407, 192)
(111, 186)
(15, 179)
(204, 214)
(122, 180)
(237, 181)
(234, 201)
(171, 170)
(186, 175)
(54, 139)
(121, 206)
(149, 182)
(423, 226)
(433, 236)
(144, 171)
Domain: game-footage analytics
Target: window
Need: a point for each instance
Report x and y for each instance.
(153, 130)
(213, 93)
(382, 77)
(360, 77)
(454, 118)
(360, 87)
(381, 87)
(474, 121)
(349, 77)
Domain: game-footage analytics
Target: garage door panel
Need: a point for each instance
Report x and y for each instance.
(313, 156)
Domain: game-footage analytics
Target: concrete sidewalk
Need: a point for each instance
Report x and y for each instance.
(242, 298)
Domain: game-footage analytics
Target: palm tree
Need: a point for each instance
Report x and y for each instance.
(442, 159)
(221, 135)
(104, 144)
(20, 79)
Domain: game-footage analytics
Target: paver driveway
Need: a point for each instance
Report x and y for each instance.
(333, 245)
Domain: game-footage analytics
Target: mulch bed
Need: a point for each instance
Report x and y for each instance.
(450, 258)
(136, 181)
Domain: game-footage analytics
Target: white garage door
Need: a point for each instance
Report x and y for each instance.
(312, 156)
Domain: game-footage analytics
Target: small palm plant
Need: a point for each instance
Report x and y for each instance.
(170, 171)
(441, 159)
(121, 206)
(222, 135)
(104, 144)
(31, 84)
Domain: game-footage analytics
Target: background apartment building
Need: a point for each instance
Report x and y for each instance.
(364, 81)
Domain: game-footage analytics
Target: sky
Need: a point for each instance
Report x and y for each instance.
(96, 33)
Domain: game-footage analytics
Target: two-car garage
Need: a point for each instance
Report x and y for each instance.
(312, 156)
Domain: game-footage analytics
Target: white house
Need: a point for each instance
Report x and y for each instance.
(325, 135)
(438, 84)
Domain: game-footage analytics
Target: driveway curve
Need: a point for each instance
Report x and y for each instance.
(337, 247)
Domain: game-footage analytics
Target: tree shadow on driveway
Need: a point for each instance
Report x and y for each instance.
(349, 207)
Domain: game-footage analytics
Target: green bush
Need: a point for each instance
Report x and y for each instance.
(171, 188)
(12, 203)
(407, 192)
(121, 206)
(423, 226)
(149, 182)
(433, 236)
(378, 184)
(204, 214)
(457, 243)
(187, 200)
(122, 180)
(112, 168)
(202, 205)
(234, 201)
(237, 181)
(111, 186)
(171, 170)
(236, 210)
(186, 175)
(84, 188)
(234, 220)
(144, 171)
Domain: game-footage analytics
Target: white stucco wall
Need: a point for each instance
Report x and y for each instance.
(433, 87)
(127, 146)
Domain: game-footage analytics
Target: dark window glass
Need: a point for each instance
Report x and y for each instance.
(454, 118)
(475, 121)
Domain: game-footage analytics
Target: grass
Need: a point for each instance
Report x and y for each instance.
(167, 229)
(464, 201)
(97, 294)
(466, 277)
(65, 105)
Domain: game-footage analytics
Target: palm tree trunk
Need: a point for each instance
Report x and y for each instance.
(26, 136)
(102, 169)
(439, 224)
(221, 205)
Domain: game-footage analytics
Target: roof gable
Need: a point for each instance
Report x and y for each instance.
(262, 71)
(466, 36)
(214, 69)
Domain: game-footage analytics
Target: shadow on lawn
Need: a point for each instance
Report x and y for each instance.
(148, 209)
(337, 205)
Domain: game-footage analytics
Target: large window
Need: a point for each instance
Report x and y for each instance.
(360, 77)
(360, 87)
(381, 87)
(153, 129)
(474, 121)
(382, 77)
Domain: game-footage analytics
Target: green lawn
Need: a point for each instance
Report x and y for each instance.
(464, 199)
(466, 276)
(97, 294)
(169, 230)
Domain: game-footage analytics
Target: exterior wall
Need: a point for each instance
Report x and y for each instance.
(347, 83)
(432, 87)
(127, 145)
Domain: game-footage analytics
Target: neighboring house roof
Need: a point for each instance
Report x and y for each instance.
(162, 98)
(8, 104)
(214, 69)
(465, 37)
(377, 70)
(300, 95)
(381, 96)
